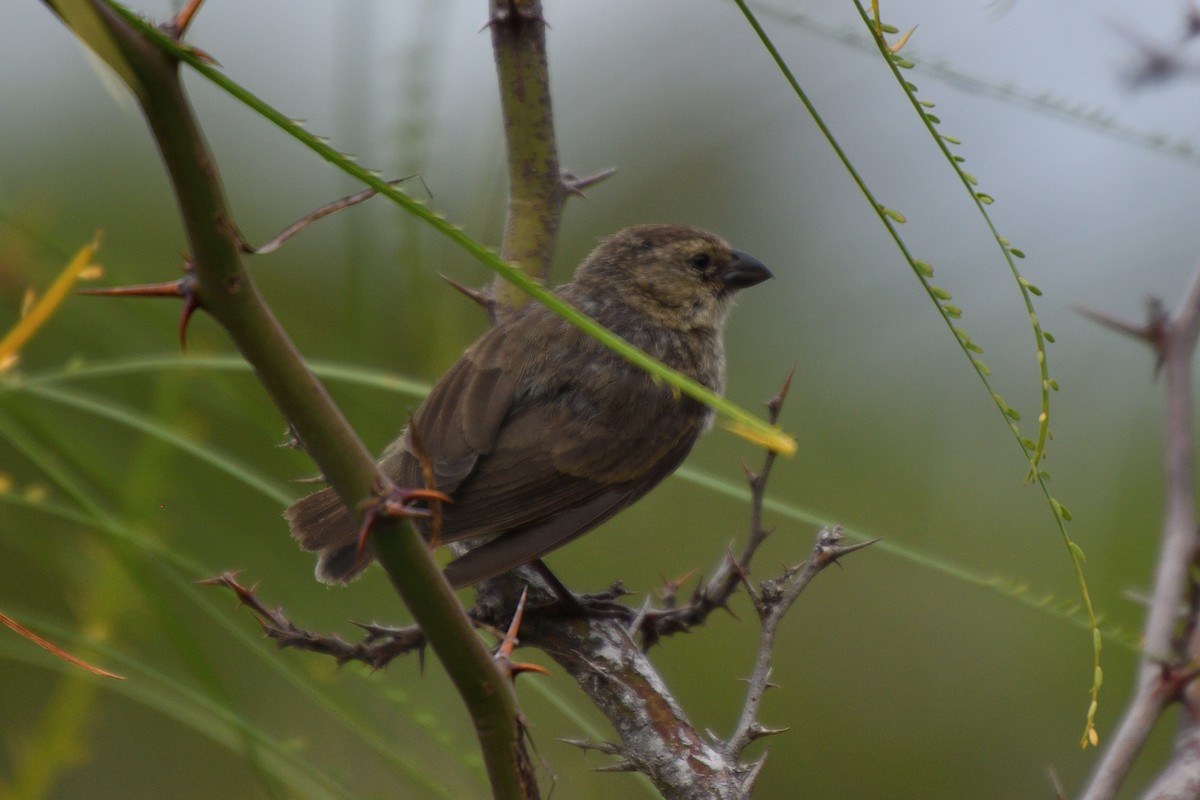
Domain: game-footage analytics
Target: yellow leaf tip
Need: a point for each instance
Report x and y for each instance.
(37, 311)
(895, 48)
(773, 439)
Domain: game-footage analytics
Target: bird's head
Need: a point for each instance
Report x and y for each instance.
(680, 276)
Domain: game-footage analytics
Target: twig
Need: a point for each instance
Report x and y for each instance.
(379, 648)
(1164, 660)
(655, 736)
(1157, 62)
(653, 624)
(1178, 780)
(774, 599)
(308, 219)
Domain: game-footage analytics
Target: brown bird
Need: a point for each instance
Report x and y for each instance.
(539, 432)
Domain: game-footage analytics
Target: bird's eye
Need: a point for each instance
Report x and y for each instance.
(700, 261)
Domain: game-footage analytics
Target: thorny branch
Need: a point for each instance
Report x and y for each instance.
(537, 185)
(329, 208)
(600, 651)
(1169, 655)
(772, 602)
(653, 624)
(1160, 61)
(220, 284)
(376, 650)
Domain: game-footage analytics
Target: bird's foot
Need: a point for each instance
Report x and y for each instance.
(599, 604)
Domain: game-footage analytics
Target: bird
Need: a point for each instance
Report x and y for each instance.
(539, 433)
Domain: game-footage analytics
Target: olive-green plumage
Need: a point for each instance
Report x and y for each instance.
(540, 433)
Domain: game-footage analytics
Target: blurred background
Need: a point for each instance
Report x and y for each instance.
(129, 470)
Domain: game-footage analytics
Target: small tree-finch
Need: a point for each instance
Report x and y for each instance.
(538, 432)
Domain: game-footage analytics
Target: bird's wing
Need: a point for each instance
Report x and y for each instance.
(588, 504)
(548, 458)
(459, 419)
(536, 467)
(524, 545)
(554, 475)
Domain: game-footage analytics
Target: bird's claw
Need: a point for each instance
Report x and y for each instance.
(603, 605)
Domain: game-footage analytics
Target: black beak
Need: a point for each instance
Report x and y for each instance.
(744, 270)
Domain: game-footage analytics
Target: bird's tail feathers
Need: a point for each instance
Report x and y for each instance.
(322, 524)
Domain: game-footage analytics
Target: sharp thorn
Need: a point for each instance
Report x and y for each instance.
(176, 288)
(576, 186)
(481, 297)
(182, 288)
(510, 636)
(203, 55)
(776, 402)
(1143, 332)
(180, 22)
(604, 747)
(190, 304)
(751, 777)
